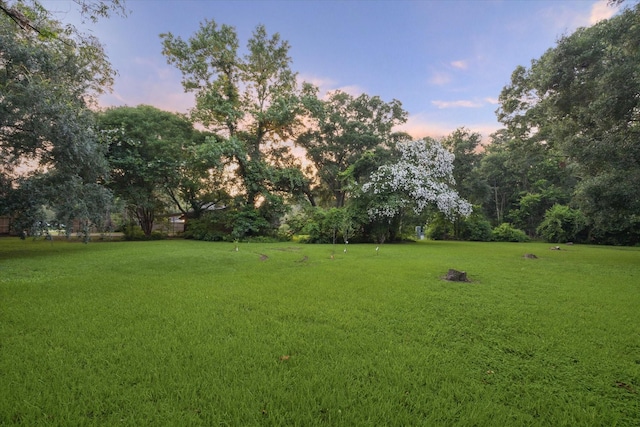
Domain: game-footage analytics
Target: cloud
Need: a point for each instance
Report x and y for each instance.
(493, 101)
(566, 19)
(420, 126)
(327, 85)
(601, 11)
(440, 78)
(148, 83)
(464, 103)
(321, 82)
(353, 90)
(485, 129)
(460, 65)
(155, 95)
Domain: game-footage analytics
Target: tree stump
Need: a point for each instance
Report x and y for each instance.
(456, 276)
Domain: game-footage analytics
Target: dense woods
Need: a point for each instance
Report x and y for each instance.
(565, 167)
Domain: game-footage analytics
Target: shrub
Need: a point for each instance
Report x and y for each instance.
(228, 225)
(439, 228)
(133, 232)
(247, 222)
(323, 226)
(561, 224)
(157, 235)
(507, 233)
(208, 228)
(475, 228)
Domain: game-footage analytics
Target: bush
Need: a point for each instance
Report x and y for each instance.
(208, 228)
(133, 232)
(157, 235)
(247, 222)
(507, 233)
(319, 225)
(323, 226)
(561, 224)
(475, 228)
(228, 225)
(439, 228)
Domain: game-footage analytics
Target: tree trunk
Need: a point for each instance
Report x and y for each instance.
(340, 196)
(146, 217)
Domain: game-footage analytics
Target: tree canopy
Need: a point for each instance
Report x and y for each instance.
(250, 99)
(580, 103)
(341, 129)
(566, 165)
(422, 176)
(49, 76)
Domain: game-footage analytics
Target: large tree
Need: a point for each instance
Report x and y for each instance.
(421, 178)
(49, 74)
(341, 129)
(198, 182)
(582, 98)
(524, 179)
(251, 100)
(466, 146)
(158, 160)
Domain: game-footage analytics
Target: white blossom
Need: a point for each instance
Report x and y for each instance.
(422, 176)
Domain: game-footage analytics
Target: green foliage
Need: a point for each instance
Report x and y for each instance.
(133, 232)
(248, 222)
(465, 146)
(579, 103)
(252, 99)
(525, 178)
(343, 129)
(529, 210)
(24, 203)
(229, 225)
(439, 228)
(507, 233)
(147, 153)
(562, 224)
(49, 74)
(605, 203)
(210, 227)
(318, 225)
(475, 227)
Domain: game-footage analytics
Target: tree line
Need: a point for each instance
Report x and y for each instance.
(565, 167)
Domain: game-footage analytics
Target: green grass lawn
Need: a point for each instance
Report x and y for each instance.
(195, 333)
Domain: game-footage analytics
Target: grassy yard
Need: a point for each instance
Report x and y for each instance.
(195, 333)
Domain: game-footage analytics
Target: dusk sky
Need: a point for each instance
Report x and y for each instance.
(446, 61)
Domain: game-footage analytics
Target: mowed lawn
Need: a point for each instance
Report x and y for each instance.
(194, 333)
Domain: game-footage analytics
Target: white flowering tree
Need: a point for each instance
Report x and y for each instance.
(420, 178)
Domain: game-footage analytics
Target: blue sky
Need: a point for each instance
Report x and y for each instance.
(445, 60)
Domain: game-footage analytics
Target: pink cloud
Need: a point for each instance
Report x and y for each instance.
(460, 65)
(601, 11)
(457, 104)
(440, 78)
(419, 126)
